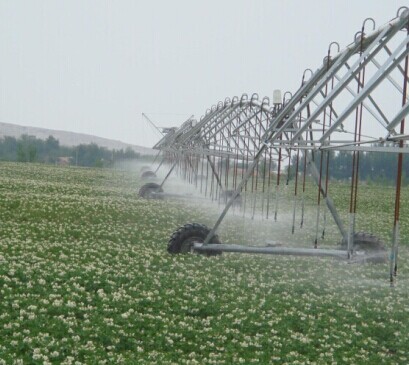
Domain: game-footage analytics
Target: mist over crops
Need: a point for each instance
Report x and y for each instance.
(85, 278)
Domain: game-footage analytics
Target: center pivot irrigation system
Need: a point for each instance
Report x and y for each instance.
(243, 149)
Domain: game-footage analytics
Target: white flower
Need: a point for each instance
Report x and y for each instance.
(71, 304)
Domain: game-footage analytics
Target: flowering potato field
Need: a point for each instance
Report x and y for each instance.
(85, 279)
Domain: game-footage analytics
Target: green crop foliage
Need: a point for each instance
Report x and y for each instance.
(85, 278)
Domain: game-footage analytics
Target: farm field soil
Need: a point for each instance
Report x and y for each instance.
(85, 279)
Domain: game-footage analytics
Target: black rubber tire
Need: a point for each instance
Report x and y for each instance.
(148, 175)
(366, 242)
(226, 195)
(182, 240)
(146, 191)
(373, 247)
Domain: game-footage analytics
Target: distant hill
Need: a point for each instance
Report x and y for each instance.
(69, 138)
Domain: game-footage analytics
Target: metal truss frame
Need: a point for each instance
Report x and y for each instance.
(355, 101)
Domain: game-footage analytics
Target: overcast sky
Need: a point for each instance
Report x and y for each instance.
(94, 66)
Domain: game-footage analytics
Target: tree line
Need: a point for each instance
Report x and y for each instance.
(31, 149)
(373, 166)
(379, 167)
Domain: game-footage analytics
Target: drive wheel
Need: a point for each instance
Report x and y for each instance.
(372, 246)
(183, 239)
(146, 191)
(148, 175)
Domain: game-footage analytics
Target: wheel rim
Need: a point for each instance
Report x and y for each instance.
(149, 192)
(187, 244)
